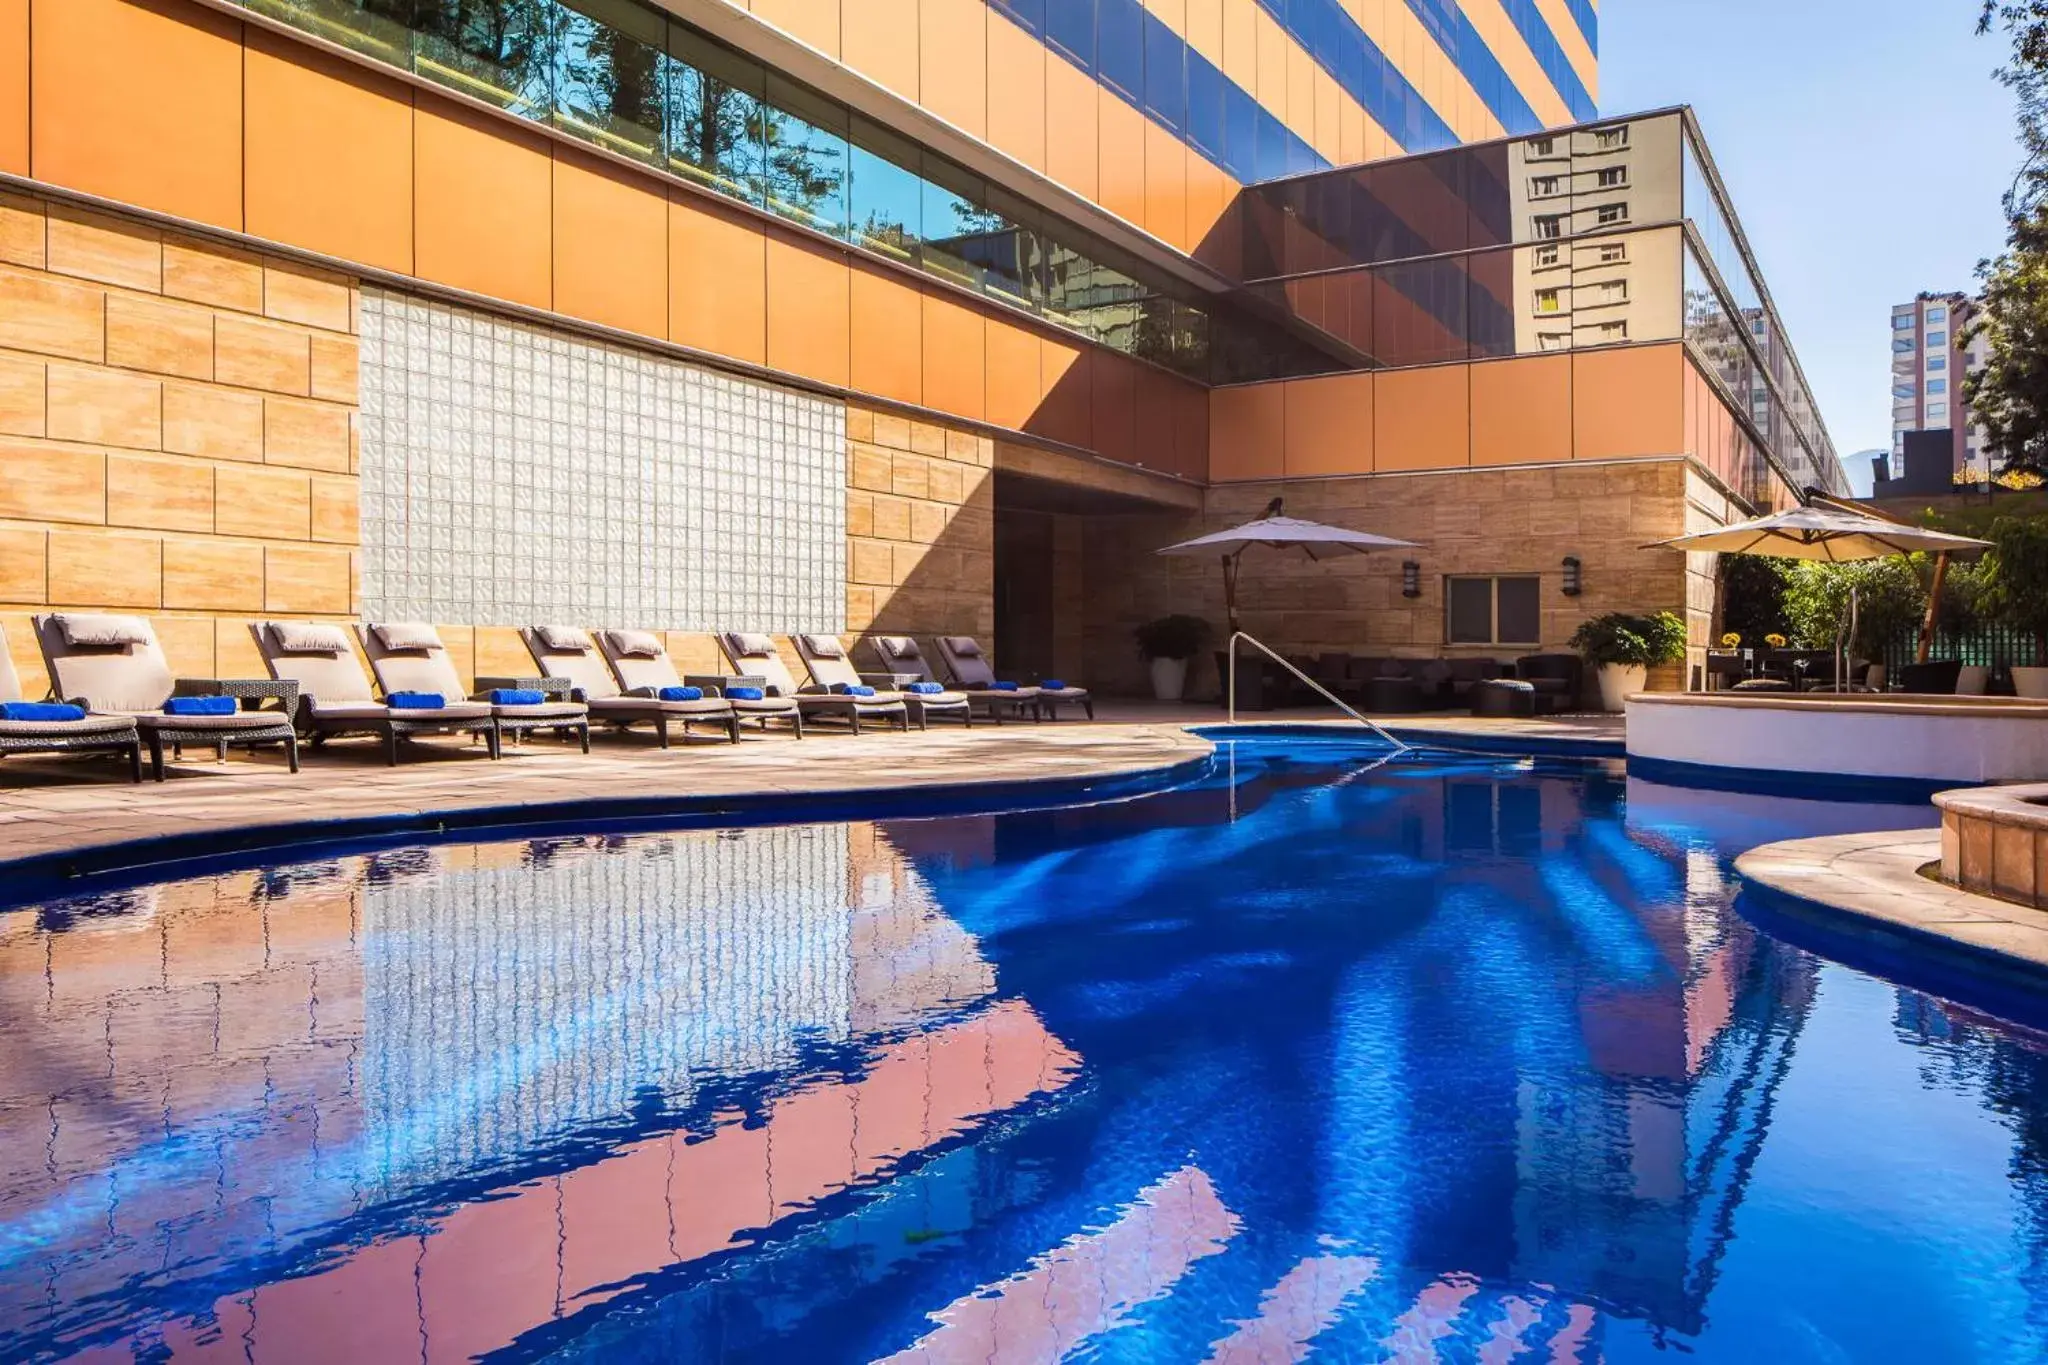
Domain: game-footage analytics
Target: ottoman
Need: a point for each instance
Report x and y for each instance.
(1503, 697)
(1392, 695)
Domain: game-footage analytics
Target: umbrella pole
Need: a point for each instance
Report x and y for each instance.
(1230, 588)
(1933, 617)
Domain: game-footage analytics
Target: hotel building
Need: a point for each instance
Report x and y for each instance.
(1930, 358)
(917, 316)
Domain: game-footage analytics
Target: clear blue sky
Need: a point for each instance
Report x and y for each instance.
(1865, 146)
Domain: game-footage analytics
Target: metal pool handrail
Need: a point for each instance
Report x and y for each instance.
(1330, 696)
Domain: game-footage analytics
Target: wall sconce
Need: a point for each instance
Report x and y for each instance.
(1574, 582)
(1411, 579)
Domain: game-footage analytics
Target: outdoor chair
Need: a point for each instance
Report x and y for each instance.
(640, 662)
(1559, 680)
(113, 665)
(409, 658)
(963, 657)
(336, 698)
(57, 730)
(901, 654)
(1462, 675)
(1938, 677)
(756, 656)
(570, 654)
(830, 666)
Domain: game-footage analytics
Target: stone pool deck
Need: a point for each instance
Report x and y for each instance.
(56, 808)
(1878, 878)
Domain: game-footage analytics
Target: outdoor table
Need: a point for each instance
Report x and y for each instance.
(559, 688)
(284, 691)
(718, 684)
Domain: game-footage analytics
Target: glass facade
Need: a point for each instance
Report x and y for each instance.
(1592, 236)
(631, 80)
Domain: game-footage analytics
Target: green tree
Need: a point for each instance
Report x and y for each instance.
(1753, 597)
(2009, 395)
(2017, 569)
(1891, 602)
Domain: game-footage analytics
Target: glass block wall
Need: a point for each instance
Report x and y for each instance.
(514, 476)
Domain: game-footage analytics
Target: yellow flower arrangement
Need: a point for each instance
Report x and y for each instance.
(1775, 640)
(1731, 641)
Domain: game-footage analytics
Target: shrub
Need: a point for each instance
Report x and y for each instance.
(2017, 572)
(1891, 601)
(1172, 637)
(1753, 595)
(1619, 638)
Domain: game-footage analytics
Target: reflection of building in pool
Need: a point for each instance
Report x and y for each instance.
(619, 1055)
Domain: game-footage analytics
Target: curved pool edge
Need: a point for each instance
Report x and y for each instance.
(1870, 886)
(117, 865)
(1483, 743)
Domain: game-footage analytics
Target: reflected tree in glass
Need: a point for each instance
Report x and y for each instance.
(609, 74)
(500, 51)
(715, 118)
(804, 144)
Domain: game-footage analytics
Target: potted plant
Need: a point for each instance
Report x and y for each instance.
(2017, 593)
(1623, 648)
(1167, 644)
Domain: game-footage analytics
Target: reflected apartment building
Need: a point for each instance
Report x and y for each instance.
(844, 317)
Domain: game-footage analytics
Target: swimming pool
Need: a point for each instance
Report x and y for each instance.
(1323, 1056)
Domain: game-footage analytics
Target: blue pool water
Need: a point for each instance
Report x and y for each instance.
(1322, 1057)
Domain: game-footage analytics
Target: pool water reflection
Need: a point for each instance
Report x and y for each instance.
(1322, 1057)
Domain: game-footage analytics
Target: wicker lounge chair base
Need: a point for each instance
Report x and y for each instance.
(94, 734)
(179, 731)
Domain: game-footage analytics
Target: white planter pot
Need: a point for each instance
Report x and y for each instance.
(1617, 681)
(1169, 679)
(1973, 680)
(2031, 682)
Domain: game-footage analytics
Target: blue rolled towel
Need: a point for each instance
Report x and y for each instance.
(681, 694)
(1002, 687)
(201, 706)
(853, 689)
(745, 693)
(925, 689)
(415, 701)
(1052, 685)
(517, 696)
(40, 712)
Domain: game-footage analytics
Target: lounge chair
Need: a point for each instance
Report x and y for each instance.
(113, 665)
(829, 665)
(901, 655)
(409, 657)
(756, 656)
(963, 658)
(568, 653)
(335, 696)
(63, 734)
(640, 662)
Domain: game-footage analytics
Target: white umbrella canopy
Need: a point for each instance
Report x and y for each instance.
(1276, 531)
(1823, 532)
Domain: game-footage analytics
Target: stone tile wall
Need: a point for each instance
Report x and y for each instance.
(176, 434)
(920, 523)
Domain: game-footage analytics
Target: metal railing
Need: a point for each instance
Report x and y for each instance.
(1325, 692)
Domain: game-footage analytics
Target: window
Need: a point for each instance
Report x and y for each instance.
(1937, 412)
(1904, 391)
(1547, 256)
(1937, 340)
(1120, 47)
(1611, 213)
(1070, 28)
(1545, 186)
(1609, 139)
(1937, 386)
(1549, 301)
(1494, 611)
(1611, 291)
(1937, 362)
(1613, 253)
(1543, 146)
(1902, 322)
(1904, 346)
(1553, 341)
(1613, 177)
(1611, 331)
(1937, 315)
(1549, 225)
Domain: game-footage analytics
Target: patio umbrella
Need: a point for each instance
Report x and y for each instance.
(1278, 532)
(1833, 533)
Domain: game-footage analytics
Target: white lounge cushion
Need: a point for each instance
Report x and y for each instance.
(753, 646)
(308, 637)
(562, 639)
(94, 631)
(898, 646)
(962, 647)
(824, 647)
(408, 637)
(635, 644)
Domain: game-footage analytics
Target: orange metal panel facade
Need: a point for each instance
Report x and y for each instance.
(952, 62)
(1329, 425)
(1122, 171)
(1247, 432)
(1191, 430)
(140, 103)
(888, 336)
(1629, 401)
(1073, 153)
(1067, 412)
(878, 38)
(1522, 410)
(954, 368)
(483, 205)
(815, 21)
(1422, 419)
(1012, 385)
(1166, 186)
(1116, 406)
(329, 155)
(611, 246)
(717, 280)
(808, 323)
(1016, 92)
(14, 86)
